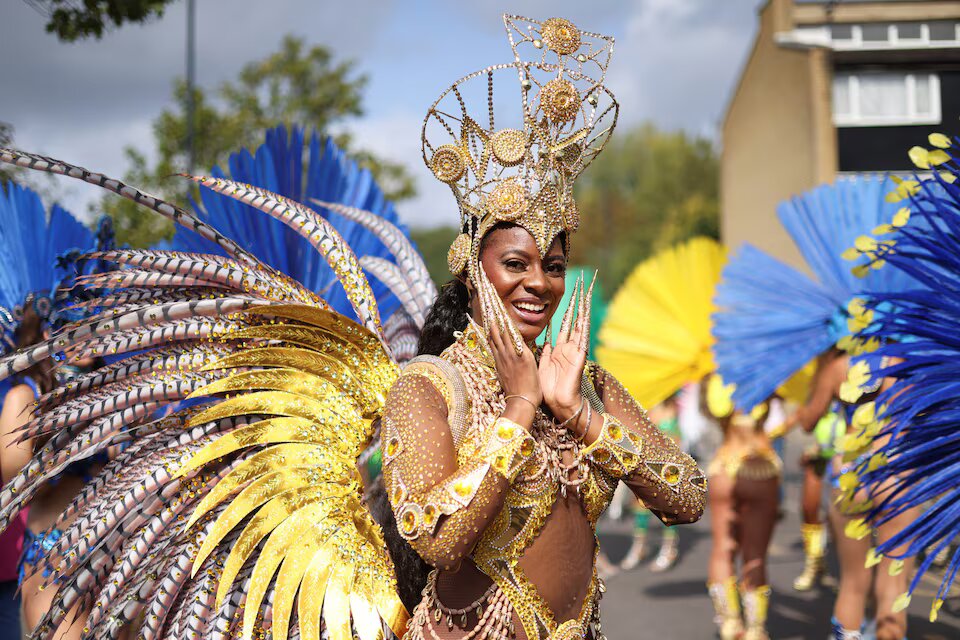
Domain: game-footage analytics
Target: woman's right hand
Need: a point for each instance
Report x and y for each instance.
(518, 377)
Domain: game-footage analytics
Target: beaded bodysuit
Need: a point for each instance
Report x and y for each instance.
(471, 489)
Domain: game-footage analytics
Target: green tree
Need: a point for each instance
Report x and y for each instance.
(649, 189)
(295, 85)
(433, 244)
(71, 20)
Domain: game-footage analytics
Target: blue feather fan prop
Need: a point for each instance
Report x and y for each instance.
(919, 334)
(302, 170)
(773, 319)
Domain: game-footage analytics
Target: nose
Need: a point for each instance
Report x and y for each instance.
(536, 281)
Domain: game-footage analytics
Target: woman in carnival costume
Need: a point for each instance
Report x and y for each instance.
(496, 467)
(769, 326)
(906, 459)
(657, 337)
(33, 248)
(656, 340)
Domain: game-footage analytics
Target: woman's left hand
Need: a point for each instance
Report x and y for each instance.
(561, 366)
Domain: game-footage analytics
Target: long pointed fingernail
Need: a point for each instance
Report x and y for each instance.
(568, 314)
(588, 305)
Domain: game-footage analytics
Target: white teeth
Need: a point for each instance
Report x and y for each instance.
(526, 306)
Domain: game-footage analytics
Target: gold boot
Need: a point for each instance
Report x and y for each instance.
(755, 604)
(726, 604)
(814, 545)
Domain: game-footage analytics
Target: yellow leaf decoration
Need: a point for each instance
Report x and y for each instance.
(901, 217)
(895, 568)
(938, 157)
(857, 529)
(905, 189)
(919, 157)
(935, 609)
(939, 141)
(901, 603)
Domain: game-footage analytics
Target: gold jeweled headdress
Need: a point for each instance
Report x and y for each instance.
(523, 173)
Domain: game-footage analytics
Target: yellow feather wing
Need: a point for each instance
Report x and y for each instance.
(656, 334)
(310, 384)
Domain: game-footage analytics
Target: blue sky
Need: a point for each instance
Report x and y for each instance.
(675, 63)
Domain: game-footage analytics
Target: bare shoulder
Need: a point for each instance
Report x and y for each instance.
(20, 395)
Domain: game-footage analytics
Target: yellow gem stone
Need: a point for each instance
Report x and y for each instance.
(409, 521)
(429, 514)
(615, 433)
(505, 431)
(526, 448)
(462, 488)
(670, 474)
(392, 447)
(471, 341)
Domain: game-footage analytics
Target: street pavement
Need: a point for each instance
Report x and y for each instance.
(675, 606)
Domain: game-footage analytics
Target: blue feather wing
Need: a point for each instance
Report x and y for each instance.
(919, 332)
(328, 174)
(30, 245)
(774, 319)
(767, 307)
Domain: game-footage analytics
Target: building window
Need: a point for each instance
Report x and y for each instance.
(875, 33)
(873, 99)
(841, 32)
(901, 35)
(943, 31)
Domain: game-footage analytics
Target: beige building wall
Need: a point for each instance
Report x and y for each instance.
(777, 138)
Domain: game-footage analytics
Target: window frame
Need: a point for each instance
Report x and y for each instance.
(856, 119)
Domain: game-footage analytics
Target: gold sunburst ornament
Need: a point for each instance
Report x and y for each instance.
(560, 100)
(459, 253)
(561, 36)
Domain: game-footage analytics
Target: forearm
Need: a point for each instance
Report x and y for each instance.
(628, 446)
(658, 472)
(444, 521)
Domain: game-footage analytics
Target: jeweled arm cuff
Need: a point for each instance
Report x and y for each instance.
(417, 515)
(616, 450)
(509, 448)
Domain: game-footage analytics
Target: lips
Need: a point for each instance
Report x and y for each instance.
(530, 311)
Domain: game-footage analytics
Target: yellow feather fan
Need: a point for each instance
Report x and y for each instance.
(656, 335)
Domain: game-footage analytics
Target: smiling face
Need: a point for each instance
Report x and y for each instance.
(530, 286)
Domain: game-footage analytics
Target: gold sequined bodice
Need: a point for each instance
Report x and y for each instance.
(530, 498)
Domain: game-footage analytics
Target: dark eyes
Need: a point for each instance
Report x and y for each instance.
(555, 268)
(515, 265)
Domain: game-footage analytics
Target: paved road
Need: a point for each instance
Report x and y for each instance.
(675, 606)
